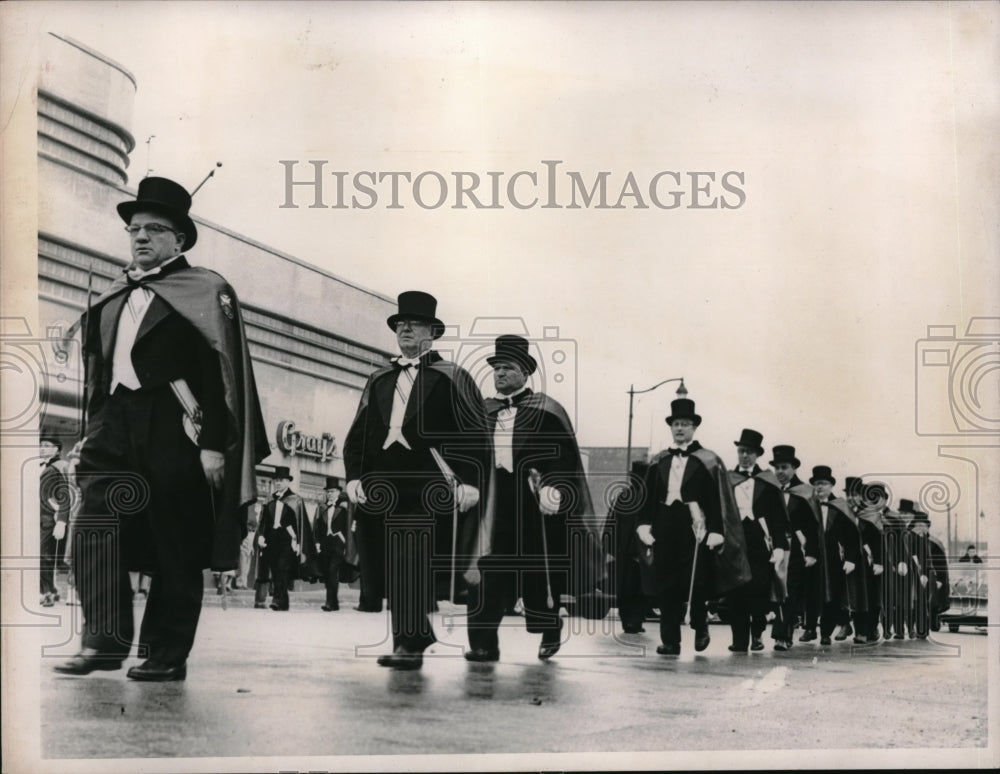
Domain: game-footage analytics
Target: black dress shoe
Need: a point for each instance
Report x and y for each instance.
(549, 648)
(844, 632)
(757, 644)
(276, 607)
(781, 645)
(701, 639)
(330, 608)
(825, 641)
(807, 636)
(738, 649)
(672, 649)
(89, 660)
(633, 629)
(482, 655)
(156, 672)
(402, 660)
(364, 609)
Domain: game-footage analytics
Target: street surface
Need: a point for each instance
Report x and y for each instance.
(282, 685)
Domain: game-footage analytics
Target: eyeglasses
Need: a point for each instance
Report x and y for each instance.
(401, 324)
(153, 229)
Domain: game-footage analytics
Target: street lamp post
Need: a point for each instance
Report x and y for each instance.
(632, 392)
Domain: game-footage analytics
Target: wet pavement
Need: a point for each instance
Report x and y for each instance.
(281, 685)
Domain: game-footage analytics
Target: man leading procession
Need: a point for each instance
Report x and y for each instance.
(175, 431)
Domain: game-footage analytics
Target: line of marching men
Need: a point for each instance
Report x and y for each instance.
(832, 566)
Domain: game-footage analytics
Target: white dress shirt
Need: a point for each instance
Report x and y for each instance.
(503, 434)
(400, 397)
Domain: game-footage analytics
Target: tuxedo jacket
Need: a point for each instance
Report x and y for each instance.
(331, 543)
(842, 541)
(166, 347)
(445, 410)
(767, 504)
(53, 484)
(697, 486)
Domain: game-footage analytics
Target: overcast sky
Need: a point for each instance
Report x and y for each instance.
(863, 137)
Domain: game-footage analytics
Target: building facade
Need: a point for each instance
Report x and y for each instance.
(314, 337)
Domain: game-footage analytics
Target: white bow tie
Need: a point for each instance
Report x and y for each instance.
(406, 362)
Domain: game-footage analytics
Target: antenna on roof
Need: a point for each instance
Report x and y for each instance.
(210, 174)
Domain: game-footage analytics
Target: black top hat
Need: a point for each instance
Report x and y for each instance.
(51, 439)
(417, 305)
(905, 506)
(852, 485)
(683, 408)
(165, 197)
(822, 473)
(784, 454)
(751, 439)
(333, 482)
(282, 472)
(513, 349)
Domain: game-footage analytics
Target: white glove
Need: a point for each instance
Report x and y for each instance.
(472, 576)
(902, 569)
(848, 567)
(877, 569)
(645, 533)
(467, 497)
(549, 500)
(318, 549)
(810, 561)
(295, 547)
(939, 584)
(714, 541)
(923, 580)
(213, 463)
(355, 493)
(59, 531)
(777, 555)
(261, 542)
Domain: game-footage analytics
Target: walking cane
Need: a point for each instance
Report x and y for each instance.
(698, 527)
(452, 479)
(534, 479)
(55, 568)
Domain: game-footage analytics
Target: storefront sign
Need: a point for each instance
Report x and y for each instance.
(294, 442)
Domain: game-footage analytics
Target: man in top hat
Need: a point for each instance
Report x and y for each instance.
(844, 582)
(284, 537)
(417, 456)
(765, 528)
(897, 589)
(54, 501)
(538, 485)
(690, 518)
(632, 556)
(873, 500)
(802, 540)
(330, 533)
(930, 573)
(174, 422)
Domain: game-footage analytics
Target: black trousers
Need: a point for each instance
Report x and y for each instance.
(47, 569)
(280, 561)
(519, 566)
(400, 490)
(673, 561)
(370, 535)
(331, 562)
(146, 506)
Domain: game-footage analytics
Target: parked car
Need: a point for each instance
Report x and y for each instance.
(968, 596)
